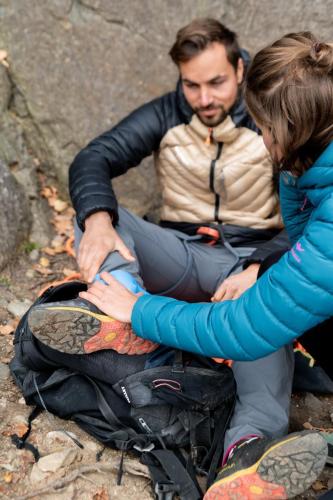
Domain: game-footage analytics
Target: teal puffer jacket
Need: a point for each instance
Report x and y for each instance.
(294, 295)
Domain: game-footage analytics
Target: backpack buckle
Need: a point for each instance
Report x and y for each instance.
(148, 447)
(211, 234)
(166, 490)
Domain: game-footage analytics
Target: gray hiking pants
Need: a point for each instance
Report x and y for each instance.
(171, 263)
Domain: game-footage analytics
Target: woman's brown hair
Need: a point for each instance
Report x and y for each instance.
(289, 91)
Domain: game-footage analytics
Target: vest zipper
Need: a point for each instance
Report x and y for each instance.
(212, 181)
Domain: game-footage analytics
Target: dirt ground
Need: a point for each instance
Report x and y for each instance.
(87, 473)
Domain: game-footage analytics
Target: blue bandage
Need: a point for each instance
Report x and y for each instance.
(126, 279)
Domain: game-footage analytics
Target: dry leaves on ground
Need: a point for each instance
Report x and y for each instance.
(10, 327)
(62, 243)
(6, 329)
(101, 494)
(8, 477)
(19, 429)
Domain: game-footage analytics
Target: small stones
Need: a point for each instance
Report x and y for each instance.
(54, 461)
(60, 437)
(34, 255)
(314, 403)
(37, 475)
(4, 372)
(19, 308)
(30, 274)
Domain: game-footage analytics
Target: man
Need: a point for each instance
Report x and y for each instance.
(219, 219)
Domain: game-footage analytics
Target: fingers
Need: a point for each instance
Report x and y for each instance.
(229, 294)
(93, 250)
(219, 294)
(123, 250)
(89, 260)
(112, 299)
(97, 289)
(226, 291)
(91, 297)
(108, 278)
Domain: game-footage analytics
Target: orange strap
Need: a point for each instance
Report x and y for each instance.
(209, 232)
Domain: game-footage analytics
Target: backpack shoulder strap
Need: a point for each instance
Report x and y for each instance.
(170, 476)
(21, 442)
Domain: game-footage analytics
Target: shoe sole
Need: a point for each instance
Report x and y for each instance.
(285, 470)
(68, 329)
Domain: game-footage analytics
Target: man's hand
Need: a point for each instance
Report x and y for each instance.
(99, 239)
(112, 299)
(234, 286)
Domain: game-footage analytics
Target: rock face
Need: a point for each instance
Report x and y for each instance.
(75, 67)
(15, 215)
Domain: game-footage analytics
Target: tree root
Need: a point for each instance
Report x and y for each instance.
(102, 467)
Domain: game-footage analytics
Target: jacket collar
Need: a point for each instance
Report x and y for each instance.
(317, 181)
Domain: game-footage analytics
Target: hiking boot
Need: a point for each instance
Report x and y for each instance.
(78, 327)
(263, 469)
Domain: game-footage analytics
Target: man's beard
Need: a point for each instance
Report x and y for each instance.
(214, 120)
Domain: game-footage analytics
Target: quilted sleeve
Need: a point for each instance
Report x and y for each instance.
(112, 154)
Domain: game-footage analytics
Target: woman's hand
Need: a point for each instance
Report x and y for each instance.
(112, 299)
(234, 286)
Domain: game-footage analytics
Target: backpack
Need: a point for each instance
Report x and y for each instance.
(170, 407)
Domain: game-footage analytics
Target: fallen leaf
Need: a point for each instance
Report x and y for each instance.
(308, 425)
(318, 486)
(6, 329)
(20, 429)
(44, 262)
(14, 322)
(49, 192)
(54, 251)
(42, 270)
(8, 477)
(69, 247)
(63, 223)
(58, 241)
(60, 205)
(101, 494)
(49, 251)
(68, 272)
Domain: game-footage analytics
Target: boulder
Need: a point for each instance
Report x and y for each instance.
(78, 66)
(14, 216)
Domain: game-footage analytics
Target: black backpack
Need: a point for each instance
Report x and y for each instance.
(171, 407)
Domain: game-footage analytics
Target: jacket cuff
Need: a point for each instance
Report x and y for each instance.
(136, 318)
(83, 216)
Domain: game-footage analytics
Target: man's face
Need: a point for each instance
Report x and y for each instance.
(210, 83)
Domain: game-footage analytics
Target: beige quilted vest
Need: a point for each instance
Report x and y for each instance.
(238, 189)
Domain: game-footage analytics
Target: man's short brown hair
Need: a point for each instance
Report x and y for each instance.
(196, 36)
